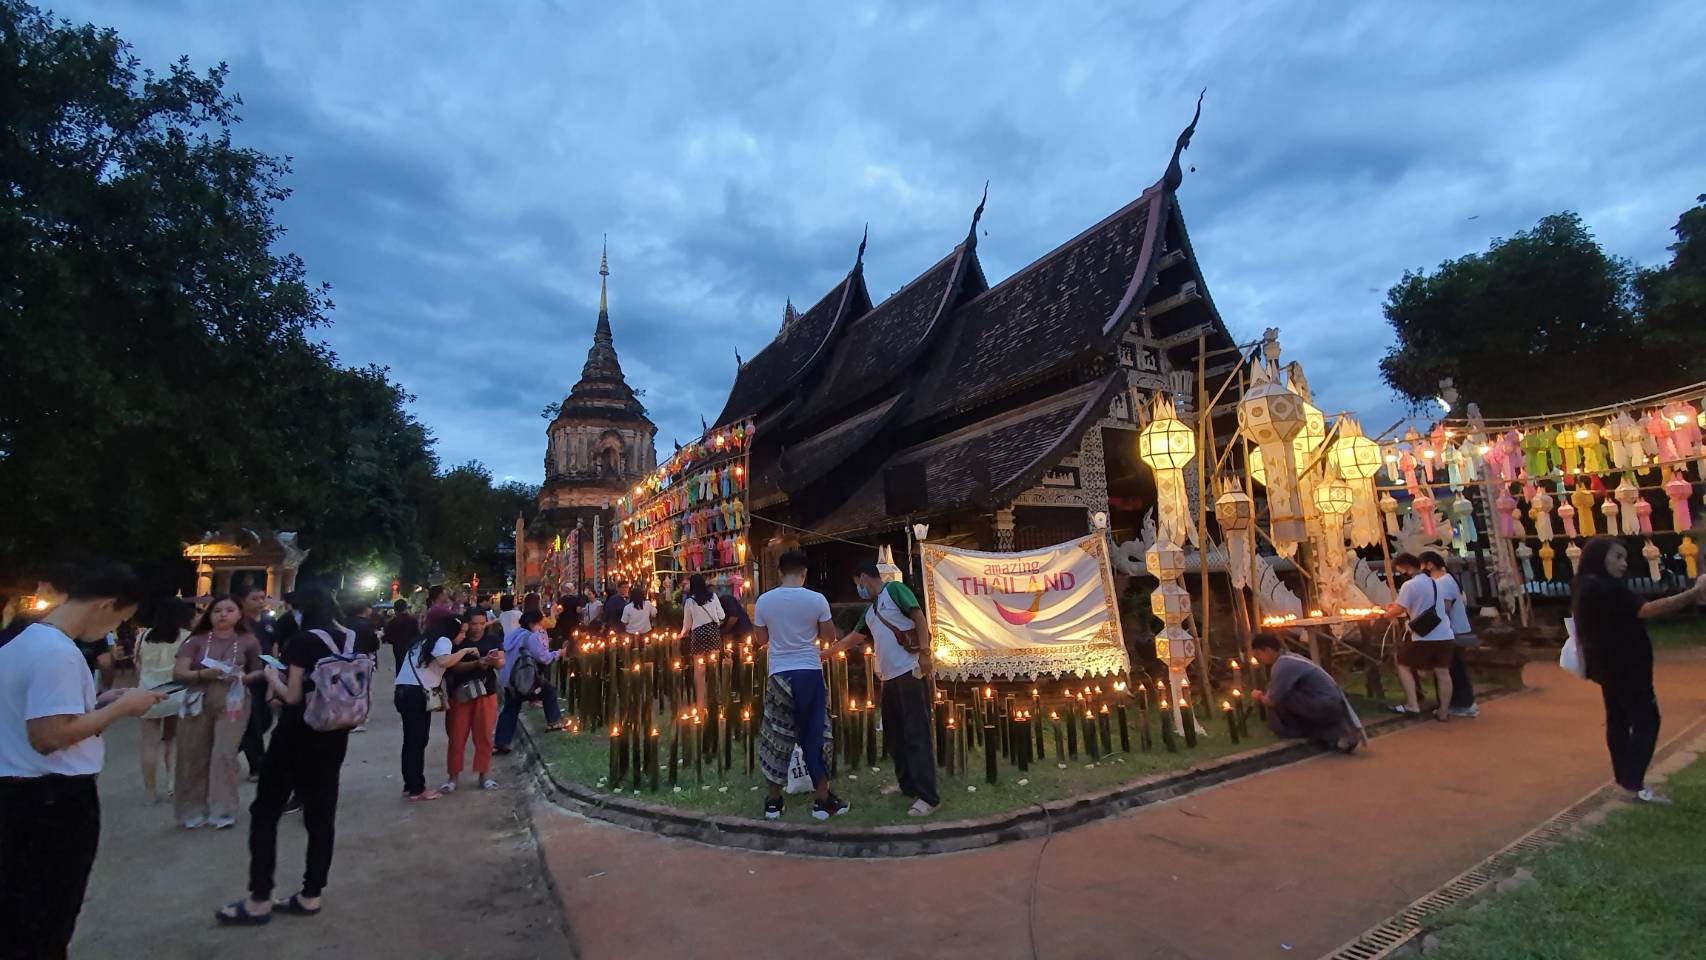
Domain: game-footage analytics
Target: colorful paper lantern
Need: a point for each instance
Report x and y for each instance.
(1167, 445)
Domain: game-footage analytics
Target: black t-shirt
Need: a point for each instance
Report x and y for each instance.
(265, 630)
(454, 678)
(1612, 635)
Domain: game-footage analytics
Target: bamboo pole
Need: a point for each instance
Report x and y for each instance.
(1205, 446)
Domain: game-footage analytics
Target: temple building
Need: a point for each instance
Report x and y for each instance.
(599, 444)
(1003, 416)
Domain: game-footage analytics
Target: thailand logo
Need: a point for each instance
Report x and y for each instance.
(1019, 618)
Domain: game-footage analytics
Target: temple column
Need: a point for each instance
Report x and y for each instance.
(1004, 530)
(598, 552)
(1093, 476)
(203, 580)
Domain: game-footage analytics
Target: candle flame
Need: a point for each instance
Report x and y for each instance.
(1226, 705)
(1052, 715)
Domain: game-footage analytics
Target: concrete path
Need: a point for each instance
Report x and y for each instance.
(459, 877)
(1289, 863)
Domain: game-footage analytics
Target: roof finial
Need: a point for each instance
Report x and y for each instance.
(1175, 175)
(859, 263)
(603, 275)
(738, 361)
(971, 235)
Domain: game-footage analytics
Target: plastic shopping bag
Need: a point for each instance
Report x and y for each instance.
(799, 777)
(1570, 658)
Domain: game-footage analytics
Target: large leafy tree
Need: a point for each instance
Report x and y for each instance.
(1543, 321)
(161, 378)
(466, 520)
(1672, 298)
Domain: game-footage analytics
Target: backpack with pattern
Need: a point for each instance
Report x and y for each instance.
(343, 686)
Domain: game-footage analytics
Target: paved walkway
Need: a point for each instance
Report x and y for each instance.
(1288, 863)
(456, 878)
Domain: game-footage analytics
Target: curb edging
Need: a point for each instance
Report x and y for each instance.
(908, 840)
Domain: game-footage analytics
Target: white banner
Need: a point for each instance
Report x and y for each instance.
(1023, 615)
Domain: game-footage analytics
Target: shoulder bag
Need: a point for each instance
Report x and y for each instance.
(1426, 621)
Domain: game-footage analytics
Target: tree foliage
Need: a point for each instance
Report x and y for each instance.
(1672, 298)
(161, 376)
(1543, 321)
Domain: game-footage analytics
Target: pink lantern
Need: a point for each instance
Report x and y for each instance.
(1678, 489)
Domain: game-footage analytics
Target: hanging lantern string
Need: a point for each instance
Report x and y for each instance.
(1666, 465)
(1693, 390)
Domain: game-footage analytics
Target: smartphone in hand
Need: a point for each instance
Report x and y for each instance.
(272, 661)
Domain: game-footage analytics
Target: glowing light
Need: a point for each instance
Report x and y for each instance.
(42, 604)
(369, 582)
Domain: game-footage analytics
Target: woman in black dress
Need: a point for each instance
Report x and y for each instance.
(1619, 657)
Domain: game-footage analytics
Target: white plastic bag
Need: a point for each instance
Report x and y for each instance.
(799, 777)
(1570, 658)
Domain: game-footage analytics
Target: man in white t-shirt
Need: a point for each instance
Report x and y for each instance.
(1425, 649)
(791, 620)
(50, 752)
(895, 624)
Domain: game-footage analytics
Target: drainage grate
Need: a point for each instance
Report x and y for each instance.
(1381, 940)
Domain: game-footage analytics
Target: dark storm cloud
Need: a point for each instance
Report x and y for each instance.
(456, 166)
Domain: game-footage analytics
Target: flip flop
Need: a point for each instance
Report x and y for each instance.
(236, 914)
(293, 906)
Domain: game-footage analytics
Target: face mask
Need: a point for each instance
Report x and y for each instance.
(863, 593)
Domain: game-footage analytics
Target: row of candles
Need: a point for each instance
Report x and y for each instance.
(637, 689)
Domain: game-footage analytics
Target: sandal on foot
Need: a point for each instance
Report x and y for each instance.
(1405, 709)
(293, 905)
(236, 914)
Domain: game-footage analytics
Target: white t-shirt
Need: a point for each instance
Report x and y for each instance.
(1452, 591)
(694, 616)
(1420, 592)
(791, 615)
(411, 674)
(43, 674)
(893, 660)
(638, 619)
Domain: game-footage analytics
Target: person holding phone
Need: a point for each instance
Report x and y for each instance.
(51, 752)
(156, 657)
(214, 665)
(423, 671)
(471, 692)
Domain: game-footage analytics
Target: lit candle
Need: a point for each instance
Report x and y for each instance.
(1104, 722)
(652, 759)
(1023, 742)
(1125, 726)
(1231, 720)
(1165, 718)
(1071, 732)
(751, 739)
(1188, 717)
(872, 744)
(989, 734)
(615, 749)
(1090, 737)
(1241, 709)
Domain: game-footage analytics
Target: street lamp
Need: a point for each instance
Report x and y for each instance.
(369, 582)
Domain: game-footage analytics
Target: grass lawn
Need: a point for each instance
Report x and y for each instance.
(1679, 634)
(1635, 887)
(584, 759)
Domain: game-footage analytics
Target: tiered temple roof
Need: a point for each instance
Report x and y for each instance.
(986, 388)
(602, 392)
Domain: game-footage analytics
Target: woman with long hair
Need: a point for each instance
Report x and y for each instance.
(701, 627)
(423, 671)
(300, 758)
(471, 709)
(220, 656)
(637, 615)
(1619, 656)
(156, 655)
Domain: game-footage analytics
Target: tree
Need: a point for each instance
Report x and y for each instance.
(1541, 322)
(1672, 298)
(160, 376)
(468, 521)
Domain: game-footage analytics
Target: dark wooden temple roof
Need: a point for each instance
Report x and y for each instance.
(1056, 314)
(801, 344)
(877, 347)
(981, 466)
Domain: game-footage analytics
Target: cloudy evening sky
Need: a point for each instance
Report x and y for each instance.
(456, 164)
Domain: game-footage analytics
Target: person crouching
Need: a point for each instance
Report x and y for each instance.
(1303, 701)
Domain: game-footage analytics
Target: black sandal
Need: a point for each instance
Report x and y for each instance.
(293, 906)
(236, 914)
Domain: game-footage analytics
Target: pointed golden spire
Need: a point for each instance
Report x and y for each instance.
(603, 278)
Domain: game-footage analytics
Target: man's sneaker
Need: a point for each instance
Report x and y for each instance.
(833, 806)
(1648, 796)
(772, 808)
(488, 784)
(1473, 710)
(293, 806)
(920, 809)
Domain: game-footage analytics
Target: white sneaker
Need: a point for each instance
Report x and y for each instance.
(920, 809)
(488, 784)
(195, 823)
(1471, 711)
(1648, 796)
(222, 823)
(449, 786)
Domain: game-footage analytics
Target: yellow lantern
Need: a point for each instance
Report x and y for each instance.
(1333, 499)
(1236, 514)
(1167, 445)
(1271, 416)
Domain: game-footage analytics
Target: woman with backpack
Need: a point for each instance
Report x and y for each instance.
(215, 665)
(523, 677)
(471, 689)
(419, 694)
(307, 754)
(701, 626)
